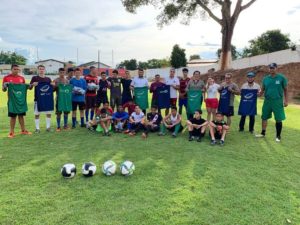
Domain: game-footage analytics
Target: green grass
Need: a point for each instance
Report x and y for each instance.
(248, 181)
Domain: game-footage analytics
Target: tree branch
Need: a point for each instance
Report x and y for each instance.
(247, 5)
(210, 13)
(219, 2)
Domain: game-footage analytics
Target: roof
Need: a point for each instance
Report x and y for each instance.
(202, 61)
(92, 63)
(49, 60)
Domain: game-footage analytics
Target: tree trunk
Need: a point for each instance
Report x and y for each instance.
(226, 57)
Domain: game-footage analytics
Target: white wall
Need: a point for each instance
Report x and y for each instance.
(51, 66)
(280, 57)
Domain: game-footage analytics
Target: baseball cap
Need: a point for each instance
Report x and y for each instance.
(273, 65)
(251, 74)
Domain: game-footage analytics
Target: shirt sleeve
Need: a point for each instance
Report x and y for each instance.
(284, 81)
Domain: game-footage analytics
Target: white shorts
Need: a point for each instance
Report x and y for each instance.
(36, 111)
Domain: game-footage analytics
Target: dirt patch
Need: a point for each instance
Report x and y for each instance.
(290, 70)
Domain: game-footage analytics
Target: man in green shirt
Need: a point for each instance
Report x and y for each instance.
(274, 87)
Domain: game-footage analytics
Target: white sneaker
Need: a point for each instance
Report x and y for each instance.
(259, 135)
(277, 139)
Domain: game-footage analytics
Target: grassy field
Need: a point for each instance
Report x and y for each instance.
(248, 181)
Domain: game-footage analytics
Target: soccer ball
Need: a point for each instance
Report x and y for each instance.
(92, 86)
(109, 168)
(68, 170)
(88, 169)
(127, 168)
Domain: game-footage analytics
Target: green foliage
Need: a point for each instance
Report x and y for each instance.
(194, 57)
(234, 53)
(155, 63)
(270, 41)
(12, 58)
(247, 182)
(129, 64)
(178, 58)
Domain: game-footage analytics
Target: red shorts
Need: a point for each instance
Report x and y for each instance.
(173, 101)
(212, 103)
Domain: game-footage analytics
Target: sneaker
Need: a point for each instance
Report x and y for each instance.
(174, 135)
(66, 128)
(278, 139)
(198, 139)
(48, 129)
(259, 135)
(251, 131)
(144, 135)
(108, 134)
(26, 132)
(213, 142)
(37, 131)
(191, 138)
(221, 143)
(11, 135)
(58, 129)
(161, 134)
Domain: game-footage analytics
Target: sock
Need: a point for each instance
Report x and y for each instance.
(81, 121)
(65, 120)
(263, 132)
(92, 114)
(86, 115)
(48, 122)
(57, 121)
(74, 121)
(37, 124)
(278, 129)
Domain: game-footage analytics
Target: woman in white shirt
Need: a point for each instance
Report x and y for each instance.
(211, 99)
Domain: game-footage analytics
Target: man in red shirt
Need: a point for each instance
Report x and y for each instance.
(15, 78)
(92, 84)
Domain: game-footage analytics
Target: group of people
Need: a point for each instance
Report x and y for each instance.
(125, 110)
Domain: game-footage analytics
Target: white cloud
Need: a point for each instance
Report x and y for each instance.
(58, 28)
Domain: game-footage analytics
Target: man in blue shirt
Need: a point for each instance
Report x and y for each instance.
(119, 119)
(78, 97)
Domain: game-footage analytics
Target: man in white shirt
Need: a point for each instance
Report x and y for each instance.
(174, 87)
(139, 82)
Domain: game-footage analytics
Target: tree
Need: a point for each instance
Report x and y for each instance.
(194, 57)
(128, 64)
(178, 58)
(234, 53)
(12, 58)
(270, 41)
(173, 9)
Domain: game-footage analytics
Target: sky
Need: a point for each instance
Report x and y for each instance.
(40, 29)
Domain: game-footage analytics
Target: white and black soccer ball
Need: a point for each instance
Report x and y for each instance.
(89, 169)
(109, 168)
(68, 170)
(92, 86)
(127, 167)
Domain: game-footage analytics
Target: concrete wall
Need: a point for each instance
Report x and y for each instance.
(280, 57)
(51, 66)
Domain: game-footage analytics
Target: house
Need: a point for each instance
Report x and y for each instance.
(51, 65)
(95, 64)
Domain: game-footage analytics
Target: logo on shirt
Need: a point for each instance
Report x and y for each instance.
(249, 96)
(163, 92)
(224, 92)
(277, 82)
(45, 88)
(17, 93)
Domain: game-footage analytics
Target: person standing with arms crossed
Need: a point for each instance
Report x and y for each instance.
(274, 87)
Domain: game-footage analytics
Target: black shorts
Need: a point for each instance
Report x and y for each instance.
(230, 112)
(197, 132)
(80, 105)
(101, 100)
(90, 102)
(13, 115)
